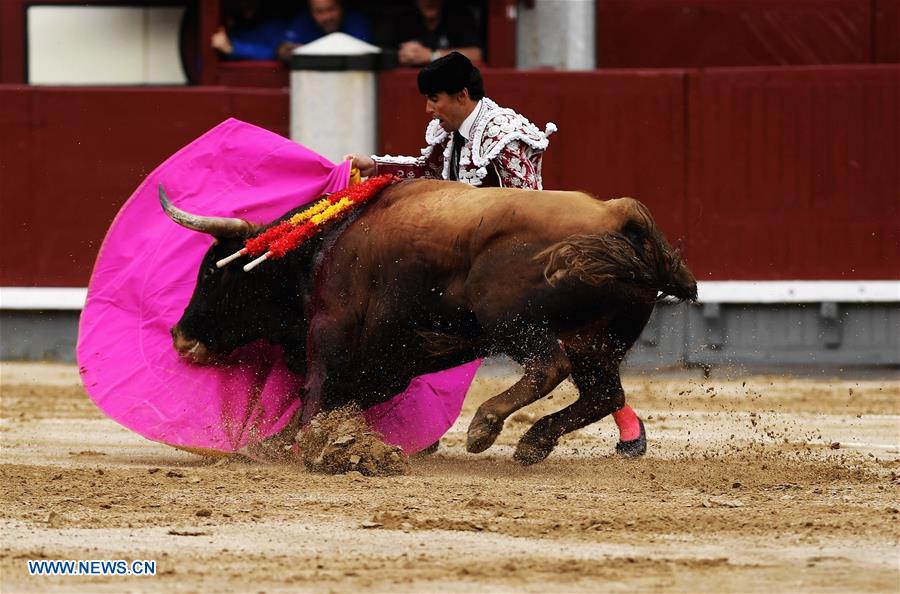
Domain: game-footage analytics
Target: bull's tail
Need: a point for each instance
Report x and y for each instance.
(638, 254)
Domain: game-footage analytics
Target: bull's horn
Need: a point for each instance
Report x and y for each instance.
(216, 226)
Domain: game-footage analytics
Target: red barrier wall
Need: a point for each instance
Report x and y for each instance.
(701, 33)
(887, 31)
(795, 173)
(69, 158)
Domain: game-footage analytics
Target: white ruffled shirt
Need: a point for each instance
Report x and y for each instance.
(466, 127)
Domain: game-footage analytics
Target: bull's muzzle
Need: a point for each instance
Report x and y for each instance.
(191, 350)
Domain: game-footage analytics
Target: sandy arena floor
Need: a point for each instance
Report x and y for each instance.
(754, 484)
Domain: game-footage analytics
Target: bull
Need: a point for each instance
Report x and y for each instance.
(432, 274)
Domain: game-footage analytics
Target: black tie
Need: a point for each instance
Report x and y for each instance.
(458, 142)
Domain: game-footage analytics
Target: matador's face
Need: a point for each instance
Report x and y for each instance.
(449, 109)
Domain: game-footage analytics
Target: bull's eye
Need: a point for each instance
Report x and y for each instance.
(207, 273)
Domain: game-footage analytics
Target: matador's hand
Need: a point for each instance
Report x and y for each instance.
(364, 163)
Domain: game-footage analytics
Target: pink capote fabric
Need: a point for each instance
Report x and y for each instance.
(144, 277)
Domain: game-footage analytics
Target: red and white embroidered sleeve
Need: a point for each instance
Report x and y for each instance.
(515, 168)
(431, 166)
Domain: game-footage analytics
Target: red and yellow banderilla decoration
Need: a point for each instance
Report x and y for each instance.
(275, 242)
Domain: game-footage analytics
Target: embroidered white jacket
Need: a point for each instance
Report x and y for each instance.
(504, 149)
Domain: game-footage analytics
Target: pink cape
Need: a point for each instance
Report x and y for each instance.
(144, 277)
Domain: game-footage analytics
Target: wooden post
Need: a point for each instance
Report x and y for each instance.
(210, 19)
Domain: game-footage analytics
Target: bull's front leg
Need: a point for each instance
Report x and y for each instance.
(327, 364)
(277, 448)
(323, 343)
(312, 393)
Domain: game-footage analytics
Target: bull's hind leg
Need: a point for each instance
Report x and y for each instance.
(600, 394)
(545, 368)
(595, 360)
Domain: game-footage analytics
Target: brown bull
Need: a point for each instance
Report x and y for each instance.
(433, 274)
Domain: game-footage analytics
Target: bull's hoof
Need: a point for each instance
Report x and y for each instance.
(530, 452)
(634, 448)
(429, 450)
(483, 432)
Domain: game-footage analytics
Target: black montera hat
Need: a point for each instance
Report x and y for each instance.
(449, 74)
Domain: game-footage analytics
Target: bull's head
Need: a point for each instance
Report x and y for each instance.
(227, 309)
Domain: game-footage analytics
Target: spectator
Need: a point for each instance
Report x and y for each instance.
(435, 31)
(250, 32)
(322, 18)
(253, 34)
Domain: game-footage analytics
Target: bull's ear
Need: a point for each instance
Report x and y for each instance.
(222, 227)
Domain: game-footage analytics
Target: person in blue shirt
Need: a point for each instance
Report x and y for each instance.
(259, 42)
(275, 37)
(252, 30)
(323, 17)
